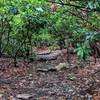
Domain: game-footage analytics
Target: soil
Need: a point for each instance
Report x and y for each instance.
(81, 82)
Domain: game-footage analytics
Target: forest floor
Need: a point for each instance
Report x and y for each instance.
(26, 82)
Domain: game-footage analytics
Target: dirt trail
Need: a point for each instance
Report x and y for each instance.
(69, 84)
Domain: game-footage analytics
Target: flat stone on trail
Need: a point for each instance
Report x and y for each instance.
(24, 96)
(62, 66)
(47, 55)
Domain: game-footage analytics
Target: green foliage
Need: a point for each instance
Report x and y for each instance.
(20, 20)
(27, 23)
(82, 51)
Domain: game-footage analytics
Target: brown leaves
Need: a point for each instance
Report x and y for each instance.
(52, 84)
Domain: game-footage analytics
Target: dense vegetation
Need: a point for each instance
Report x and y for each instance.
(25, 24)
(50, 49)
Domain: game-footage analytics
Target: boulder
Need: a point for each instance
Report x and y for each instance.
(24, 96)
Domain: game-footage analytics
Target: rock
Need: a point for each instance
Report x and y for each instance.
(3, 81)
(62, 66)
(32, 83)
(46, 57)
(71, 77)
(44, 52)
(46, 70)
(52, 69)
(42, 70)
(1, 96)
(61, 98)
(43, 98)
(24, 96)
(13, 98)
(49, 55)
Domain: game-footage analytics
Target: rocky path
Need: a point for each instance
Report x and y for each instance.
(71, 83)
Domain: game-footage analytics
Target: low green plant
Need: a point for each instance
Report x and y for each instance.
(82, 51)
